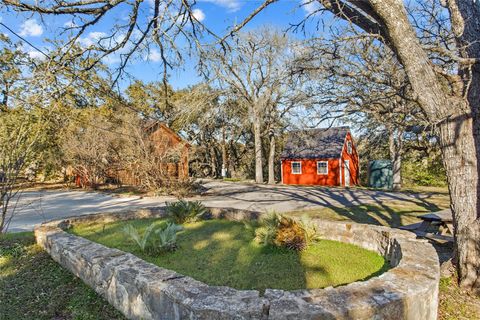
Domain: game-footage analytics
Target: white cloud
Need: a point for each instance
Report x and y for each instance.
(112, 58)
(230, 5)
(310, 6)
(91, 39)
(30, 27)
(198, 14)
(154, 56)
(36, 55)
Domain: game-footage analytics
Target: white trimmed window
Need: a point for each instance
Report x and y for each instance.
(296, 167)
(349, 147)
(322, 167)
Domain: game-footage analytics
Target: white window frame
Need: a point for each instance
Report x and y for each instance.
(322, 173)
(291, 167)
(349, 147)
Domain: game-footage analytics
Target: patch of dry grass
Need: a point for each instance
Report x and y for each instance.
(455, 304)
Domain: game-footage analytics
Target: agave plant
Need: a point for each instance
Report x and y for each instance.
(142, 241)
(185, 211)
(167, 237)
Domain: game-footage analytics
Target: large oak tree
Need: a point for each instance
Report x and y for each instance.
(450, 100)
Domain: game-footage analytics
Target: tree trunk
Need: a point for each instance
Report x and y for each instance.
(271, 160)
(396, 157)
(459, 137)
(213, 160)
(460, 160)
(257, 135)
(224, 154)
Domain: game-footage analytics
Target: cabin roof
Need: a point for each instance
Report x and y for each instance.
(320, 143)
(153, 125)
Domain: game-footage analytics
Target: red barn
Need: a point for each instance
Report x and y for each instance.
(325, 157)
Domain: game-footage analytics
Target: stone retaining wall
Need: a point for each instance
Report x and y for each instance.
(144, 291)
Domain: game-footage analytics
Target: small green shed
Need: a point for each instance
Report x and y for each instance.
(380, 174)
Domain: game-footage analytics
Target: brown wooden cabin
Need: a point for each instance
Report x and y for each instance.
(172, 152)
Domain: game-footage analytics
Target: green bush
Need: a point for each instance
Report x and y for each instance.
(143, 242)
(185, 211)
(428, 172)
(266, 233)
(166, 239)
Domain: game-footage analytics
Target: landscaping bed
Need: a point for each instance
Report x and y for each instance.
(225, 253)
(143, 290)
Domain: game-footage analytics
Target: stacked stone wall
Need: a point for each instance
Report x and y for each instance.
(140, 290)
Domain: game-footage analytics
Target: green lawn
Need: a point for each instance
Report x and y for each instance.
(33, 286)
(220, 252)
(393, 213)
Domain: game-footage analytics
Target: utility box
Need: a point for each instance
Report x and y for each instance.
(380, 174)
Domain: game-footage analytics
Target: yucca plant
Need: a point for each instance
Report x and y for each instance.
(310, 230)
(184, 211)
(167, 237)
(142, 241)
(267, 231)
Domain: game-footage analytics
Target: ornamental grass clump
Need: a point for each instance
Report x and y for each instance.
(290, 235)
(285, 232)
(185, 211)
(266, 233)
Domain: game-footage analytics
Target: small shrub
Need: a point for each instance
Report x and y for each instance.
(167, 237)
(285, 232)
(166, 240)
(185, 211)
(142, 241)
(309, 229)
(249, 227)
(290, 234)
(267, 231)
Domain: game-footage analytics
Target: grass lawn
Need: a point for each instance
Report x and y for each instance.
(220, 252)
(455, 304)
(33, 286)
(393, 213)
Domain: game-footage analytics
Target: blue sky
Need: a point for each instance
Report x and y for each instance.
(217, 15)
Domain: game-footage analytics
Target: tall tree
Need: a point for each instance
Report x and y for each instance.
(358, 81)
(449, 100)
(256, 71)
(449, 97)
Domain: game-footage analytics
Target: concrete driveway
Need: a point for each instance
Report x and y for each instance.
(35, 207)
(289, 198)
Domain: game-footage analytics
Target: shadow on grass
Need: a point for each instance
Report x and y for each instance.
(220, 252)
(33, 286)
(392, 214)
